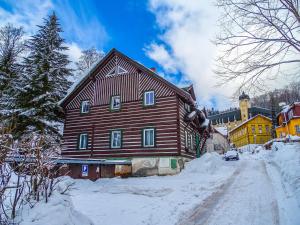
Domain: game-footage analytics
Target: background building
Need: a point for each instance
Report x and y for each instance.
(256, 130)
(233, 117)
(288, 121)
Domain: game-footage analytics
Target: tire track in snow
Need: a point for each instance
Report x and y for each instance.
(246, 198)
(200, 213)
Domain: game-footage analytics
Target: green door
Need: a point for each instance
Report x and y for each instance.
(197, 145)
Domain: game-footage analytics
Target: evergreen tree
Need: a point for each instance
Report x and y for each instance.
(11, 46)
(45, 80)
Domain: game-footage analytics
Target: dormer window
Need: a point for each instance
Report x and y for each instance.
(85, 107)
(115, 103)
(149, 98)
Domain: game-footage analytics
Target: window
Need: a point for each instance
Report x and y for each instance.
(117, 70)
(116, 139)
(186, 139)
(121, 70)
(83, 141)
(267, 129)
(260, 129)
(115, 103)
(297, 128)
(149, 98)
(191, 142)
(187, 107)
(85, 106)
(253, 129)
(148, 137)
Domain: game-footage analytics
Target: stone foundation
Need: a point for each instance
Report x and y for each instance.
(157, 166)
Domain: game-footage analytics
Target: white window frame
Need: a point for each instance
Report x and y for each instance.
(146, 93)
(186, 136)
(187, 107)
(112, 139)
(144, 137)
(191, 140)
(112, 102)
(260, 129)
(81, 140)
(83, 103)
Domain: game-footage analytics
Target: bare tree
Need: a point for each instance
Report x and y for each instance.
(88, 58)
(259, 40)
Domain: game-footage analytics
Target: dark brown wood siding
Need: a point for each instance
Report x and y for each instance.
(166, 116)
(186, 127)
(131, 119)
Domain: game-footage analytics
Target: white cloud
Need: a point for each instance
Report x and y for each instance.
(80, 32)
(27, 14)
(74, 52)
(187, 28)
(161, 55)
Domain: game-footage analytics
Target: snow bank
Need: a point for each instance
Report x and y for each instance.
(287, 158)
(208, 163)
(58, 211)
(159, 200)
(249, 148)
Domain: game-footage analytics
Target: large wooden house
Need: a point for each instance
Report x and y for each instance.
(124, 118)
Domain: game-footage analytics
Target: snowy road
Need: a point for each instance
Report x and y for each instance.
(249, 197)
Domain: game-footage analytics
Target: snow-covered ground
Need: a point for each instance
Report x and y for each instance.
(261, 188)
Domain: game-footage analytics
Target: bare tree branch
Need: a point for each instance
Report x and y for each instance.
(258, 38)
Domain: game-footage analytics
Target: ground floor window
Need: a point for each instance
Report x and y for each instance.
(116, 139)
(148, 137)
(83, 141)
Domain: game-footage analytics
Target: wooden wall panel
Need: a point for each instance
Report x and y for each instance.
(132, 118)
(87, 93)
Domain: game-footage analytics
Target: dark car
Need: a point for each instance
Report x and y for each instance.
(231, 155)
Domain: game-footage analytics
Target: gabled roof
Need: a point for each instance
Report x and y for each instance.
(252, 118)
(190, 90)
(96, 68)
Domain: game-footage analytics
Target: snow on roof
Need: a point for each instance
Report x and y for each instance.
(222, 130)
(250, 120)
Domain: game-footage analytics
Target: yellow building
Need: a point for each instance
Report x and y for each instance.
(256, 130)
(233, 117)
(288, 121)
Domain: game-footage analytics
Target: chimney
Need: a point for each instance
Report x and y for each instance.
(153, 69)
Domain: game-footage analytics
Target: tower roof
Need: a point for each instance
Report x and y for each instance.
(244, 96)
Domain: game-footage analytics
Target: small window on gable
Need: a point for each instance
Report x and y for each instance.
(117, 70)
(83, 141)
(112, 72)
(121, 70)
(85, 106)
(115, 103)
(149, 98)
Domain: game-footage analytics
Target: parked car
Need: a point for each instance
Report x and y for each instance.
(231, 155)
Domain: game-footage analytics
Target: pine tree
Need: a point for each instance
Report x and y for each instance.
(11, 46)
(45, 80)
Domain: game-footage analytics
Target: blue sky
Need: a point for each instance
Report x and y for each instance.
(172, 35)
